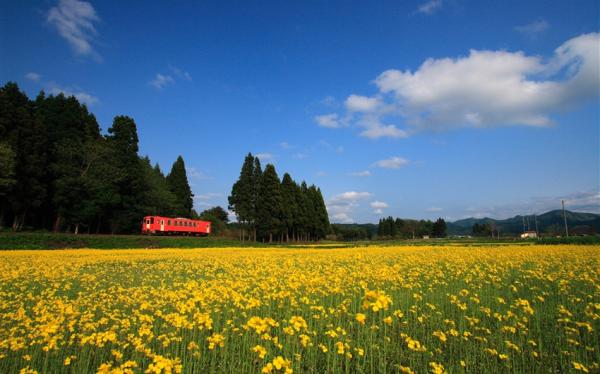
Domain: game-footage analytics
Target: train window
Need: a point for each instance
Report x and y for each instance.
(162, 221)
(148, 221)
(169, 222)
(152, 220)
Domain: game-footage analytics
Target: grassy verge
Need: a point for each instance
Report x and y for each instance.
(45, 240)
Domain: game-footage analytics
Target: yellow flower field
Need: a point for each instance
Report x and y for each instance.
(239, 310)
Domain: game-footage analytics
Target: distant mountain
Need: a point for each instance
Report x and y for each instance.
(549, 222)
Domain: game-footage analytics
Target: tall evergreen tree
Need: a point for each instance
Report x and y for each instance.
(289, 206)
(243, 195)
(269, 204)
(71, 134)
(439, 228)
(25, 136)
(180, 187)
(123, 140)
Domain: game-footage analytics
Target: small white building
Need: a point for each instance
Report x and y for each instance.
(529, 235)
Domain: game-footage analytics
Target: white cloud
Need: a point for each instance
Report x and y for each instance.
(342, 206)
(376, 130)
(34, 77)
(161, 81)
(379, 205)
(300, 155)
(352, 196)
(491, 88)
(483, 89)
(328, 120)
(265, 156)
(341, 218)
(74, 20)
(195, 173)
(434, 209)
(80, 95)
(285, 145)
(533, 29)
(430, 6)
(357, 103)
(391, 163)
(180, 73)
(363, 173)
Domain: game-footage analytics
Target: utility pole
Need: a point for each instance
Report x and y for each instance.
(537, 233)
(565, 218)
(523, 224)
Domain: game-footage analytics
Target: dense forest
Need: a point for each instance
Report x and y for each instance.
(411, 229)
(269, 209)
(59, 172)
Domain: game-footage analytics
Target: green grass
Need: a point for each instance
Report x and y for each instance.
(46, 240)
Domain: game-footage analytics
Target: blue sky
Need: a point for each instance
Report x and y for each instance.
(422, 109)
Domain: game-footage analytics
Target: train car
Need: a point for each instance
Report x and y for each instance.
(157, 225)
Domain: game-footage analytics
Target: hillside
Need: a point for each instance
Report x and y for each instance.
(549, 222)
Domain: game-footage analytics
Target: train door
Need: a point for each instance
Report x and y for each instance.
(162, 225)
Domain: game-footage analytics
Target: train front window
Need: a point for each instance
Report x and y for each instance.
(152, 220)
(148, 221)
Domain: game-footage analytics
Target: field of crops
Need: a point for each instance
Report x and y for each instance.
(240, 310)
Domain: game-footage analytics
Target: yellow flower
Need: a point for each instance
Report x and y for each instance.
(436, 368)
(361, 318)
(262, 352)
(215, 340)
(440, 335)
(580, 367)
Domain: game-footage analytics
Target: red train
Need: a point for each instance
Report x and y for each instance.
(157, 225)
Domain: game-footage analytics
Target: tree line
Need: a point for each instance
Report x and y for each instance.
(269, 209)
(58, 172)
(411, 229)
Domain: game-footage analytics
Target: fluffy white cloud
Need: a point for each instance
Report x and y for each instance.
(391, 163)
(342, 206)
(34, 77)
(356, 103)
(80, 95)
(363, 173)
(490, 88)
(74, 20)
(265, 156)
(376, 131)
(430, 6)
(533, 29)
(379, 205)
(161, 81)
(331, 120)
(482, 89)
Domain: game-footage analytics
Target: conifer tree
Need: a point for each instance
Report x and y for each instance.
(123, 140)
(243, 196)
(26, 137)
(180, 187)
(269, 204)
(289, 206)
